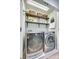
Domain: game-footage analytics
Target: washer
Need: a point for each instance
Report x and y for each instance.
(49, 41)
(34, 45)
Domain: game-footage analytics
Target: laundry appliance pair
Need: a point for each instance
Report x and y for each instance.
(40, 43)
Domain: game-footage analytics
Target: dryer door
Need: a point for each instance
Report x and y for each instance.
(49, 42)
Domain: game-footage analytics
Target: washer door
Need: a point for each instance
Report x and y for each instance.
(34, 42)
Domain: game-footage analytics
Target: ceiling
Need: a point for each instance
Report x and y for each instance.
(49, 3)
(53, 3)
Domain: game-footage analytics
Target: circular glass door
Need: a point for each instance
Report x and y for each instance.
(50, 41)
(34, 42)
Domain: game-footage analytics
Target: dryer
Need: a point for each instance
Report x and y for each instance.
(49, 41)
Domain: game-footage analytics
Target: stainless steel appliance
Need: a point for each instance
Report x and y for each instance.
(49, 41)
(34, 45)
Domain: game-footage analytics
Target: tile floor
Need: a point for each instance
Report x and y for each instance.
(55, 56)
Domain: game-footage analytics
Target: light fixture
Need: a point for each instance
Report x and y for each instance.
(38, 5)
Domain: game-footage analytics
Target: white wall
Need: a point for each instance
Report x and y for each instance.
(55, 15)
(22, 25)
(52, 15)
